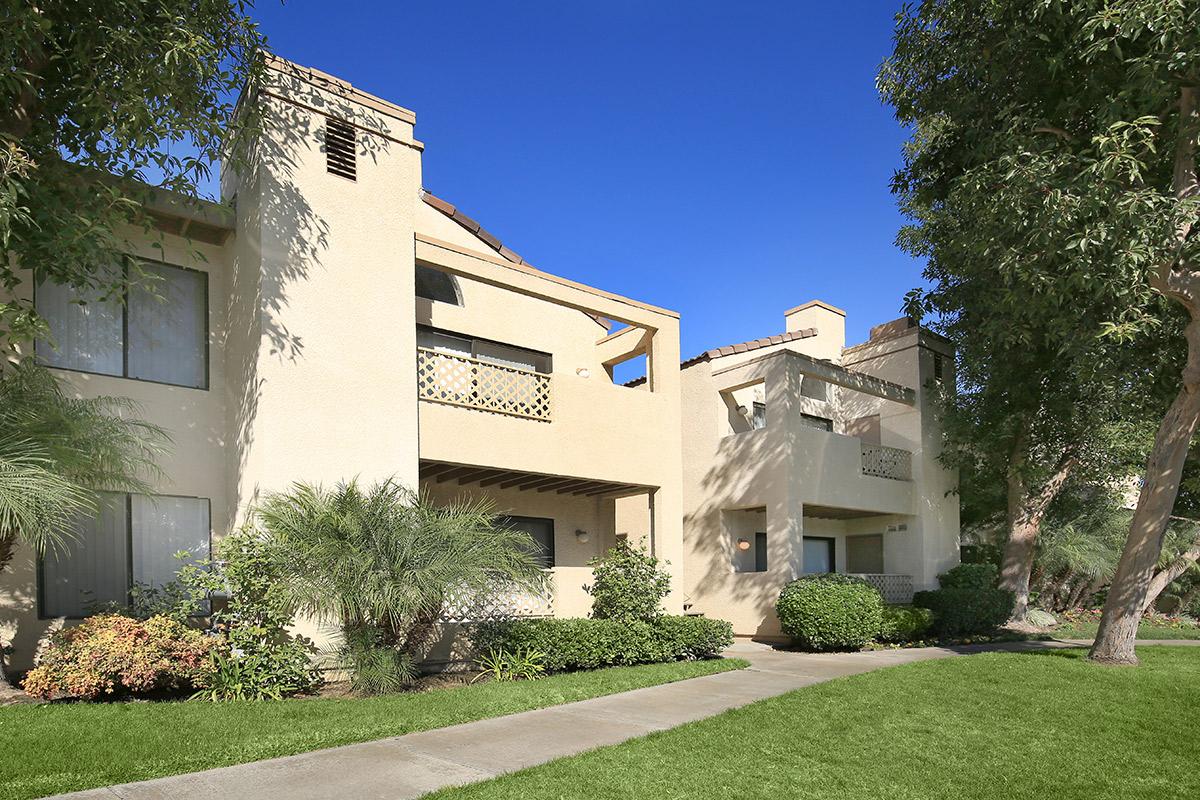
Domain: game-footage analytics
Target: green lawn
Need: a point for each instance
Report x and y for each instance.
(1002, 726)
(1146, 630)
(58, 748)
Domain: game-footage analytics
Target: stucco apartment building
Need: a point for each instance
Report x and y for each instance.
(335, 320)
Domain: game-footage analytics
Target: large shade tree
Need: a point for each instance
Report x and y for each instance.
(101, 103)
(1073, 125)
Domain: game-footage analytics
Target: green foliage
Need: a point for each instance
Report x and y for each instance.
(56, 450)
(829, 611)
(900, 624)
(519, 665)
(969, 576)
(381, 562)
(574, 644)
(113, 655)
(97, 98)
(627, 585)
(259, 659)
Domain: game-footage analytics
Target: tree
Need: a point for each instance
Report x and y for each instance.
(102, 103)
(1055, 143)
(56, 451)
(382, 562)
(1044, 396)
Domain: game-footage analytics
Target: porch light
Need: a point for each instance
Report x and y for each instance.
(582, 536)
(743, 544)
(583, 372)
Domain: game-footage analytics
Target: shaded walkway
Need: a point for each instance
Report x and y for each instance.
(411, 765)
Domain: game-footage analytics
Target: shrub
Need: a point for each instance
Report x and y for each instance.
(959, 612)
(830, 612)
(576, 643)
(521, 665)
(114, 655)
(627, 585)
(900, 624)
(970, 576)
(259, 659)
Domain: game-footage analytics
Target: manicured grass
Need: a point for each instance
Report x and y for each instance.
(1147, 630)
(58, 748)
(1045, 725)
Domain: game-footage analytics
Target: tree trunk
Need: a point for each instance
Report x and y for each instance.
(1179, 280)
(1131, 583)
(1170, 573)
(1077, 595)
(1026, 510)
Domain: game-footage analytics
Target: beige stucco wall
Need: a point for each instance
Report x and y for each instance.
(780, 470)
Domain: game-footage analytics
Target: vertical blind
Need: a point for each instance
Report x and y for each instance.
(158, 334)
(133, 540)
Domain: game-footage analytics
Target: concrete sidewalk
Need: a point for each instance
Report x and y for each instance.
(412, 765)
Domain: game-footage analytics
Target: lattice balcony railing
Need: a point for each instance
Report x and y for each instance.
(886, 462)
(471, 383)
(501, 602)
(896, 589)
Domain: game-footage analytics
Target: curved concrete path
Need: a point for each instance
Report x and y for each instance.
(412, 765)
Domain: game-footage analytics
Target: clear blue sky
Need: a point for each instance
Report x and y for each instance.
(725, 160)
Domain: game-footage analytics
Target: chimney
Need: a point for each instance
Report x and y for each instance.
(830, 323)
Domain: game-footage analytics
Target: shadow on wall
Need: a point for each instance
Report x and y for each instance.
(761, 474)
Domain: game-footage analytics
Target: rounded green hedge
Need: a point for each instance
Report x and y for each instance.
(830, 612)
(902, 624)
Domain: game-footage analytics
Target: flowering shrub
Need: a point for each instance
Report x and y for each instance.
(110, 654)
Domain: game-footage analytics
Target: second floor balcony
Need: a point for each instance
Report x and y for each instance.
(461, 380)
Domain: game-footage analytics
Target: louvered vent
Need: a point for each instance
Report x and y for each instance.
(339, 149)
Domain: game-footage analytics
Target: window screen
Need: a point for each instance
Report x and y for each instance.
(167, 337)
(92, 566)
(87, 332)
(760, 552)
(820, 423)
(759, 418)
(818, 555)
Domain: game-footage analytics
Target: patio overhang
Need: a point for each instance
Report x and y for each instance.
(496, 477)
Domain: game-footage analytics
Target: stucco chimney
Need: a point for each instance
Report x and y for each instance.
(829, 321)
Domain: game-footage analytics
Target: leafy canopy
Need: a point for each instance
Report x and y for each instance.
(97, 100)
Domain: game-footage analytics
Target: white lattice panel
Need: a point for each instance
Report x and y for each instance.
(499, 603)
(463, 381)
(896, 589)
(886, 462)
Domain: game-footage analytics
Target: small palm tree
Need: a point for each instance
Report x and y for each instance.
(383, 561)
(57, 451)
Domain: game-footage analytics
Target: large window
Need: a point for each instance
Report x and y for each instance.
(159, 333)
(506, 355)
(133, 540)
(542, 531)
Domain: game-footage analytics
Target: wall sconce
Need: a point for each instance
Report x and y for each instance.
(583, 372)
(582, 537)
(743, 544)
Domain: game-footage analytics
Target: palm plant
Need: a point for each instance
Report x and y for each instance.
(382, 562)
(57, 451)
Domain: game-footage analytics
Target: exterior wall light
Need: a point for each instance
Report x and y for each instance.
(583, 372)
(743, 544)
(582, 537)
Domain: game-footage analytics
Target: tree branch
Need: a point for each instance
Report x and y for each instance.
(1184, 185)
(1059, 132)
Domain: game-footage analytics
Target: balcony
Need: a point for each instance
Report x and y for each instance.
(886, 462)
(459, 380)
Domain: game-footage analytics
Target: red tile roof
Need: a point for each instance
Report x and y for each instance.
(753, 344)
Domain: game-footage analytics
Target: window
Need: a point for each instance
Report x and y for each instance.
(132, 540)
(433, 284)
(820, 423)
(159, 334)
(818, 555)
(939, 369)
(505, 355)
(542, 531)
(760, 552)
(758, 419)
